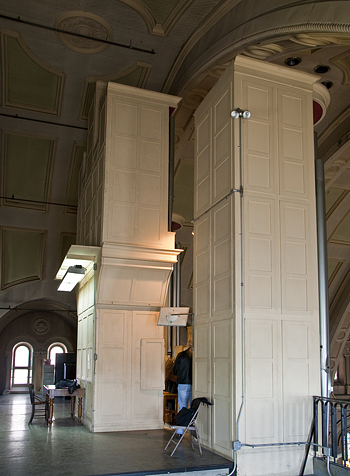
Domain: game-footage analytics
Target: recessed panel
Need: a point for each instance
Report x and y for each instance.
(202, 342)
(149, 286)
(222, 294)
(260, 380)
(202, 267)
(222, 436)
(124, 119)
(203, 196)
(222, 179)
(222, 145)
(222, 222)
(149, 190)
(111, 327)
(295, 294)
(294, 222)
(259, 217)
(121, 221)
(202, 235)
(258, 169)
(222, 258)
(260, 292)
(295, 256)
(295, 341)
(296, 379)
(116, 284)
(261, 420)
(293, 178)
(112, 363)
(149, 224)
(222, 340)
(222, 110)
(260, 257)
(151, 122)
(292, 143)
(150, 156)
(203, 133)
(201, 377)
(291, 110)
(124, 186)
(123, 152)
(202, 164)
(258, 102)
(258, 137)
(202, 299)
(222, 378)
(260, 342)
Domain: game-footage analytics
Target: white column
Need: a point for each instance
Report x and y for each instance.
(266, 353)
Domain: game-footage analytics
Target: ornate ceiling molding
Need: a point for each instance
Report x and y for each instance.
(149, 17)
(83, 23)
(46, 99)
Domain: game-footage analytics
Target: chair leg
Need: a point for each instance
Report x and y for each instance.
(198, 439)
(32, 415)
(183, 434)
(171, 439)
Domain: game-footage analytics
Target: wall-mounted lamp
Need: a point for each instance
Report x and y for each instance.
(173, 316)
(72, 277)
(240, 113)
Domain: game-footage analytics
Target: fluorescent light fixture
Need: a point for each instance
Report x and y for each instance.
(173, 316)
(72, 277)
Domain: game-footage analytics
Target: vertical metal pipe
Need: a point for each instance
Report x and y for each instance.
(322, 273)
(171, 169)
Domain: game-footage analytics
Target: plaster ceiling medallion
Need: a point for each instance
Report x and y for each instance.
(86, 24)
(41, 326)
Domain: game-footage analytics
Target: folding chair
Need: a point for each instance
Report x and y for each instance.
(191, 426)
(38, 405)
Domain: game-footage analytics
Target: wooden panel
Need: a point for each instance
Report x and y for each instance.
(152, 364)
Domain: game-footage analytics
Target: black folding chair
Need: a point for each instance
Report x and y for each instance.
(186, 420)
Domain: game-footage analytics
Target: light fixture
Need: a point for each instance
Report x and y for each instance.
(240, 113)
(173, 316)
(72, 277)
(322, 69)
(292, 61)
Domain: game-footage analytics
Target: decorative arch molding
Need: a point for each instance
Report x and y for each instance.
(62, 311)
(155, 28)
(186, 69)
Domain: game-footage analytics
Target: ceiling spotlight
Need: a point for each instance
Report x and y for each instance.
(292, 61)
(321, 69)
(328, 84)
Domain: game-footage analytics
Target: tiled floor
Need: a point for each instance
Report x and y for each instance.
(71, 450)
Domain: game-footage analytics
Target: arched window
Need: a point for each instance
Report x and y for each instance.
(22, 359)
(56, 348)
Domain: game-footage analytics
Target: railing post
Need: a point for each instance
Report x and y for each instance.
(325, 425)
(344, 433)
(316, 401)
(334, 430)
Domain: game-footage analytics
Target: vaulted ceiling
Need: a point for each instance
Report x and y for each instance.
(54, 52)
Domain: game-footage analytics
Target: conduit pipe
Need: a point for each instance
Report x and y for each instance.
(322, 273)
(239, 114)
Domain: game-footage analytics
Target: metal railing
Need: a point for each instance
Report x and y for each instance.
(329, 431)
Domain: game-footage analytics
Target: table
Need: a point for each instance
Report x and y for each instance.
(52, 392)
(167, 413)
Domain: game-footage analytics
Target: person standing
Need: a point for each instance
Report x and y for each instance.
(183, 370)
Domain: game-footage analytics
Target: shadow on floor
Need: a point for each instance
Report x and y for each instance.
(70, 449)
